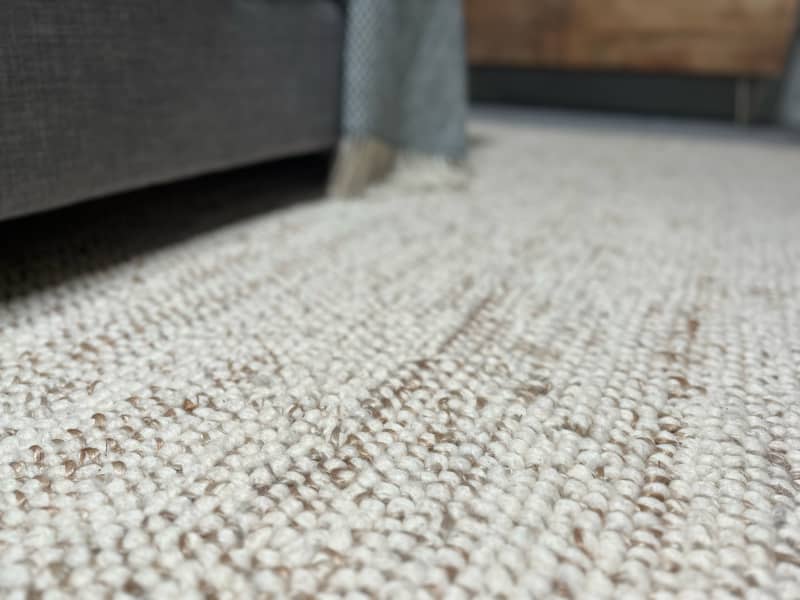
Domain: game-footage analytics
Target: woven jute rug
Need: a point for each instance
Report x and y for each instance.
(576, 374)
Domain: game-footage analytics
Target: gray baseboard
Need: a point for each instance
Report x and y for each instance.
(729, 98)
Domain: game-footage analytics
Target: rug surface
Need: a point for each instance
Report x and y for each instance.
(577, 375)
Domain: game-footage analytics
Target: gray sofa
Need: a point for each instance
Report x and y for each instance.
(101, 96)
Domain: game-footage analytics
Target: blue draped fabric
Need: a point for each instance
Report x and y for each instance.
(404, 88)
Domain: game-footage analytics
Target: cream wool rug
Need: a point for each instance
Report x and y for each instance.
(577, 376)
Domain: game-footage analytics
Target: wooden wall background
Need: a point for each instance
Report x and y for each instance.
(706, 37)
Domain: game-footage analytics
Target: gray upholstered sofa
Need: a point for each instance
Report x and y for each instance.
(101, 96)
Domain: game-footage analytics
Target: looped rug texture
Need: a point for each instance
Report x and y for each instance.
(574, 375)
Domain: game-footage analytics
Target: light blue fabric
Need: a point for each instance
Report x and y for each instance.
(405, 74)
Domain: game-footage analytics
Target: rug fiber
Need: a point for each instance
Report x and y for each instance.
(577, 376)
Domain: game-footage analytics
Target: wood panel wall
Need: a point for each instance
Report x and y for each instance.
(710, 37)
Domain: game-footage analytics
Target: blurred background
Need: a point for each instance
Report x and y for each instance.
(725, 59)
(99, 97)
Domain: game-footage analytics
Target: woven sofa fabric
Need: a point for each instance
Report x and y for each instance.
(98, 96)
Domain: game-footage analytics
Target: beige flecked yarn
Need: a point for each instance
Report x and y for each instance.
(577, 377)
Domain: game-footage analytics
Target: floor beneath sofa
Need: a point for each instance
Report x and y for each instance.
(577, 374)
